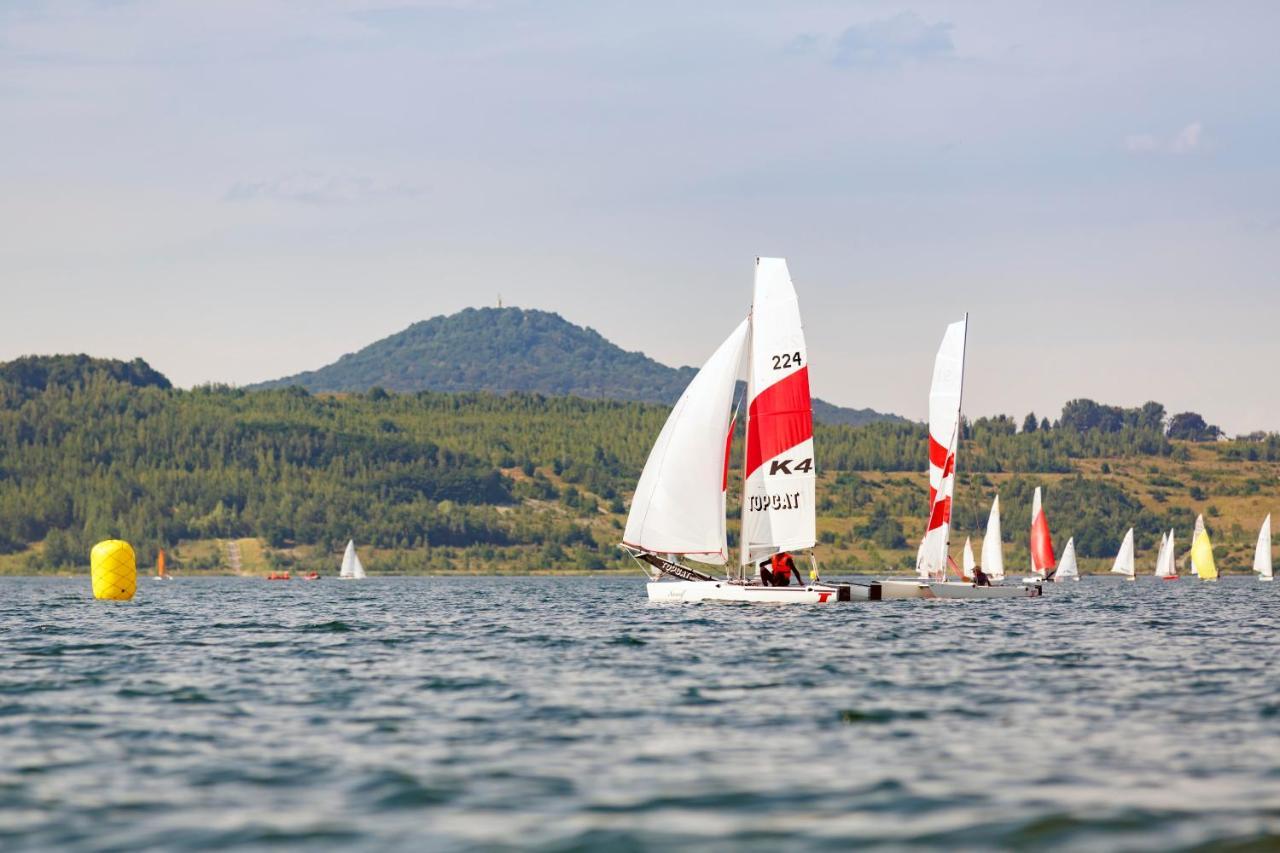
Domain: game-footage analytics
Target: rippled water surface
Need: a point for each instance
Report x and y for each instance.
(571, 714)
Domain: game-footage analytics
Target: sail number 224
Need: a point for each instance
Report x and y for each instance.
(786, 361)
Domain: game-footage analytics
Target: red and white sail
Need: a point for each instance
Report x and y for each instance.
(945, 396)
(679, 504)
(778, 509)
(1043, 559)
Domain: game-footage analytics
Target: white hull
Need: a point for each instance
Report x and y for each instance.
(693, 592)
(908, 588)
(960, 589)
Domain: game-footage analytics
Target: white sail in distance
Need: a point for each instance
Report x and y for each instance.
(992, 550)
(946, 393)
(779, 479)
(1067, 566)
(1160, 554)
(351, 567)
(1167, 564)
(679, 502)
(1124, 559)
(1195, 534)
(1262, 551)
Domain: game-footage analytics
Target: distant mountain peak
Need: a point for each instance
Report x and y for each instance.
(508, 349)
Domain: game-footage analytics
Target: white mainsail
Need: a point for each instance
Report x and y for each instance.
(1167, 562)
(1262, 552)
(1124, 559)
(1195, 534)
(679, 502)
(351, 567)
(778, 507)
(946, 395)
(969, 562)
(1160, 554)
(1067, 567)
(992, 552)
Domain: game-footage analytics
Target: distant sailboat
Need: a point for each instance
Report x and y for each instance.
(1166, 563)
(1202, 553)
(992, 553)
(351, 568)
(1067, 568)
(161, 574)
(1262, 553)
(1042, 556)
(1124, 560)
(969, 561)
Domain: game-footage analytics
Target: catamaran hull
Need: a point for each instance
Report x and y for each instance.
(904, 589)
(959, 589)
(695, 592)
(893, 590)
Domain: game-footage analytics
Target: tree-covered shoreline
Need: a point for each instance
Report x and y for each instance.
(473, 481)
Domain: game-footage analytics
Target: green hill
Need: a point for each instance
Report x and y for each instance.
(505, 350)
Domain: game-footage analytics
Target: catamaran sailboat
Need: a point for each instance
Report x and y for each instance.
(946, 395)
(1068, 569)
(678, 510)
(1262, 552)
(1124, 559)
(351, 567)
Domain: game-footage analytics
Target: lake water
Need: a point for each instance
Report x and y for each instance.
(571, 714)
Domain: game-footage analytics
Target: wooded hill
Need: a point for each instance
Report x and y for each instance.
(506, 350)
(475, 481)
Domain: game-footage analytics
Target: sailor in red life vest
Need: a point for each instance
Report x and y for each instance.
(780, 568)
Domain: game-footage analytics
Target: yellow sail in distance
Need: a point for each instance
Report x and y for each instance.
(1202, 557)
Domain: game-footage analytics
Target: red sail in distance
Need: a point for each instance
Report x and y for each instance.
(1042, 557)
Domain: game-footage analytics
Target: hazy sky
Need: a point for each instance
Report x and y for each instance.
(241, 190)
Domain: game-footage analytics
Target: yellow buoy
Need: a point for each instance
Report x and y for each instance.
(114, 569)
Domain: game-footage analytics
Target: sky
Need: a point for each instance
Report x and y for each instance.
(241, 190)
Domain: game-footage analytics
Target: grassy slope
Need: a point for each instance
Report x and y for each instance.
(1233, 528)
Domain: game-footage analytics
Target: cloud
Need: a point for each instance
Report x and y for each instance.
(804, 43)
(319, 188)
(1185, 141)
(1139, 142)
(1188, 139)
(897, 40)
